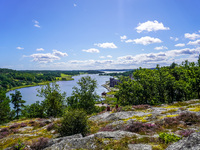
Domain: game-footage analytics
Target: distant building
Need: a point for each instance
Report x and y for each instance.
(113, 82)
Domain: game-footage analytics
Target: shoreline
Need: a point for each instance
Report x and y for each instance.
(37, 84)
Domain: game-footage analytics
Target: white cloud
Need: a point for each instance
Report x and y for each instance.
(109, 56)
(106, 45)
(174, 38)
(160, 48)
(36, 23)
(47, 57)
(150, 26)
(75, 5)
(192, 36)
(146, 40)
(180, 45)
(39, 49)
(102, 57)
(197, 42)
(19, 48)
(124, 37)
(59, 54)
(91, 50)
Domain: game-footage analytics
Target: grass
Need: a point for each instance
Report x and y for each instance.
(64, 77)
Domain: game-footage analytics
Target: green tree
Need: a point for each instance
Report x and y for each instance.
(4, 107)
(17, 101)
(35, 110)
(85, 96)
(74, 122)
(54, 100)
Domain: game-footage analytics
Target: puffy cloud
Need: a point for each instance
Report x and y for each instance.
(151, 26)
(19, 48)
(197, 42)
(192, 36)
(106, 45)
(39, 49)
(145, 40)
(180, 45)
(174, 38)
(108, 56)
(59, 54)
(102, 57)
(47, 57)
(185, 51)
(75, 5)
(160, 48)
(91, 50)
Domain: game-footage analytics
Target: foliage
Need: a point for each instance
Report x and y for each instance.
(186, 133)
(141, 107)
(74, 122)
(54, 100)
(85, 96)
(189, 117)
(168, 138)
(39, 143)
(161, 85)
(19, 146)
(35, 110)
(17, 101)
(140, 127)
(50, 127)
(4, 107)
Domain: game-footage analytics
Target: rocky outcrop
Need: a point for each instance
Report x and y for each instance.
(190, 143)
(139, 147)
(107, 116)
(88, 142)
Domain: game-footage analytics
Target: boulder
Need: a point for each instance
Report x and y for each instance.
(139, 147)
(191, 142)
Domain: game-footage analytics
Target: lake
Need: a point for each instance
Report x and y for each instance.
(29, 94)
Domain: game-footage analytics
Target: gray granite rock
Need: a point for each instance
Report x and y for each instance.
(190, 143)
(139, 147)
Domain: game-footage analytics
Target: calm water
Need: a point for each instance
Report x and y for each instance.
(29, 94)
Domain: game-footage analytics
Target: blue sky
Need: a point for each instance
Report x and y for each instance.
(97, 34)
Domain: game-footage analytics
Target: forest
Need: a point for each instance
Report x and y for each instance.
(165, 84)
(9, 79)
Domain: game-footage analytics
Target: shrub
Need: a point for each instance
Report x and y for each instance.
(168, 138)
(23, 124)
(141, 127)
(171, 121)
(14, 126)
(39, 144)
(186, 133)
(50, 127)
(107, 128)
(4, 134)
(188, 117)
(15, 130)
(19, 146)
(42, 124)
(4, 130)
(141, 107)
(74, 122)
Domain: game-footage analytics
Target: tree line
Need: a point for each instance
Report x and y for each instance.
(11, 78)
(161, 85)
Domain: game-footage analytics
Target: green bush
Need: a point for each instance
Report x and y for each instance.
(168, 138)
(74, 122)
